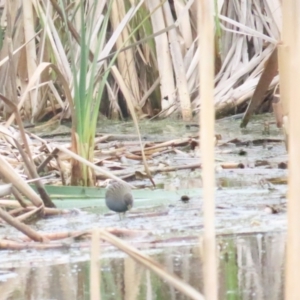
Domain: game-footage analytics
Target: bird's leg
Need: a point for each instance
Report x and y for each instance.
(122, 215)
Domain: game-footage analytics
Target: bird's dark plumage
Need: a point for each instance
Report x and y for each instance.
(118, 197)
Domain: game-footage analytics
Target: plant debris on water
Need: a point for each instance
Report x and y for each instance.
(250, 184)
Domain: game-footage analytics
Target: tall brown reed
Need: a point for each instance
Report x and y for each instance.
(291, 64)
(206, 70)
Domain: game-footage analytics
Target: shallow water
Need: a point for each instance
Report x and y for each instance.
(251, 238)
(250, 267)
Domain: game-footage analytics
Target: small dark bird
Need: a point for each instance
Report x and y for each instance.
(118, 197)
(185, 198)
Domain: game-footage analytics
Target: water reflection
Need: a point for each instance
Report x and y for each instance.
(250, 267)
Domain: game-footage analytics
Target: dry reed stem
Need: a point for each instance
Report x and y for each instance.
(268, 74)
(130, 104)
(246, 28)
(154, 170)
(10, 203)
(95, 269)
(16, 211)
(33, 235)
(5, 189)
(232, 165)
(16, 208)
(284, 68)
(34, 175)
(152, 265)
(31, 59)
(11, 83)
(111, 43)
(178, 65)
(291, 23)
(207, 142)
(173, 143)
(119, 232)
(6, 244)
(19, 197)
(164, 61)
(126, 59)
(6, 58)
(39, 70)
(11, 176)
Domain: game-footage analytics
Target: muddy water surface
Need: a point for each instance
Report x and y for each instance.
(250, 222)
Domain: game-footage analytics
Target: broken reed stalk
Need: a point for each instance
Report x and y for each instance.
(33, 235)
(152, 265)
(12, 245)
(7, 171)
(207, 144)
(291, 23)
(26, 206)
